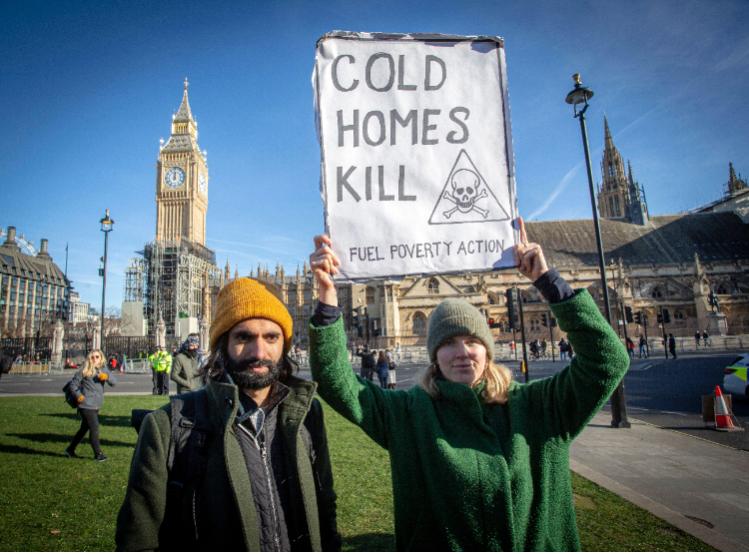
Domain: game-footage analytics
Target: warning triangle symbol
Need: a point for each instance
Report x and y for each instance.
(466, 197)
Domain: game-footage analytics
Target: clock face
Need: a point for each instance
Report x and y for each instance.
(174, 177)
(202, 183)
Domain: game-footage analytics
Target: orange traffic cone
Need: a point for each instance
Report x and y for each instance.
(723, 418)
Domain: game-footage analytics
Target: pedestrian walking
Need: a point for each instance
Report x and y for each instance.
(255, 474)
(630, 348)
(643, 347)
(697, 339)
(161, 365)
(382, 369)
(479, 462)
(562, 349)
(392, 365)
(6, 361)
(392, 377)
(88, 384)
(672, 345)
(368, 362)
(185, 365)
(535, 348)
(706, 339)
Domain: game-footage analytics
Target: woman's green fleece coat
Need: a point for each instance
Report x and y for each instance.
(474, 476)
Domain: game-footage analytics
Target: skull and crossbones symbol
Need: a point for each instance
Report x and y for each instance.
(465, 193)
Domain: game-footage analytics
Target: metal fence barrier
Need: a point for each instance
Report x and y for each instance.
(137, 365)
(30, 368)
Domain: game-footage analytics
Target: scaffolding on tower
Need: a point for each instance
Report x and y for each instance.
(174, 274)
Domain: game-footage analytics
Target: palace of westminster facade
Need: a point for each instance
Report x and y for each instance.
(672, 262)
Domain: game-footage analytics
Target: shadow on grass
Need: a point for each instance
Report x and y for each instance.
(13, 449)
(65, 439)
(68, 415)
(109, 420)
(370, 542)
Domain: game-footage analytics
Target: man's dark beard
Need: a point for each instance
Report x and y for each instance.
(243, 376)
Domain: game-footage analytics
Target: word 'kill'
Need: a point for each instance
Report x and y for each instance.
(352, 181)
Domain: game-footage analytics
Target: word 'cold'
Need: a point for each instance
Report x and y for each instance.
(380, 73)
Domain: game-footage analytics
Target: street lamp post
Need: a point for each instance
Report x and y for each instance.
(106, 226)
(577, 96)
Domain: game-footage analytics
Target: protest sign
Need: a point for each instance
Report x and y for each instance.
(417, 165)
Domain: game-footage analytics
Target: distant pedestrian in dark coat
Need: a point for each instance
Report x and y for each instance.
(367, 362)
(672, 345)
(6, 362)
(186, 364)
(563, 345)
(382, 369)
(88, 383)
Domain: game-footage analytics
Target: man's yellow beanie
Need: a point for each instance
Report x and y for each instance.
(246, 298)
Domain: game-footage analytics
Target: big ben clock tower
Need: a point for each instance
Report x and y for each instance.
(182, 181)
(177, 270)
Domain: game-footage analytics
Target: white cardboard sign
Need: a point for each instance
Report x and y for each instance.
(417, 165)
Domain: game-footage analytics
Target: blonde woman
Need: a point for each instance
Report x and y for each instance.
(89, 383)
(479, 462)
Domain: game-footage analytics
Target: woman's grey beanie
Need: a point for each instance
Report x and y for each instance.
(454, 317)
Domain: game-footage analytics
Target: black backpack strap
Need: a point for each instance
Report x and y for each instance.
(178, 411)
(189, 430)
(187, 458)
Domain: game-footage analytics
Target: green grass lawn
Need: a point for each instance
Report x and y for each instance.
(49, 502)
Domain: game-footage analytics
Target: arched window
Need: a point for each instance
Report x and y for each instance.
(433, 286)
(419, 324)
(678, 314)
(656, 293)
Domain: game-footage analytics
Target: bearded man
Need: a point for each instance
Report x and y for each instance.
(264, 480)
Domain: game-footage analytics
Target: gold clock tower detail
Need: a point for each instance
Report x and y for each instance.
(182, 181)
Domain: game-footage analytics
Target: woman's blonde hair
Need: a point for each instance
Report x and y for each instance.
(496, 377)
(90, 367)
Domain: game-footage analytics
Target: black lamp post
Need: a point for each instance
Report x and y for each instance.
(580, 96)
(106, 226)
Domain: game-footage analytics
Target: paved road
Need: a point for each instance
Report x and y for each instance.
(128, 383)
(666, 393)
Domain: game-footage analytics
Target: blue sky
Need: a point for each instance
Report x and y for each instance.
(88, 88)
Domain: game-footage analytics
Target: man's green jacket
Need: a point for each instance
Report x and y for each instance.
(468, 475)
(223, 515)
